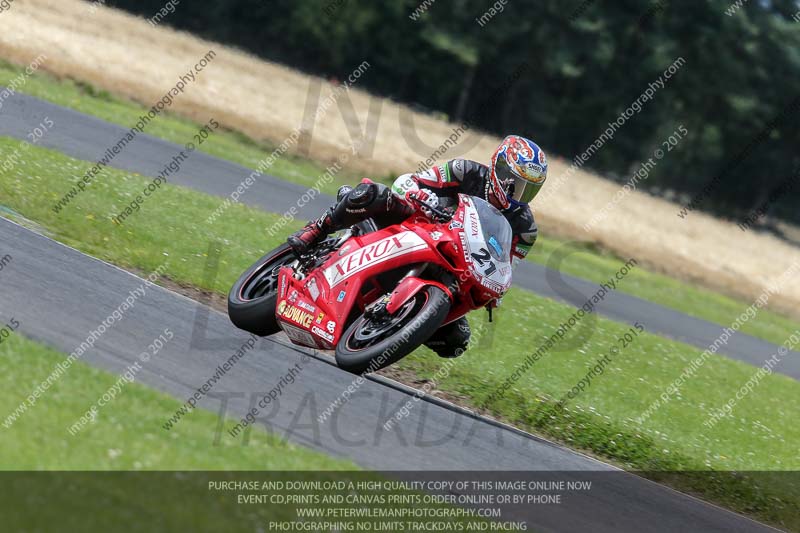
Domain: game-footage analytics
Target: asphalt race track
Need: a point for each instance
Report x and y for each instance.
(58, 295)
(87, 138)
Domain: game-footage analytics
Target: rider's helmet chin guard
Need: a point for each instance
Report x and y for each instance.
(517, 172)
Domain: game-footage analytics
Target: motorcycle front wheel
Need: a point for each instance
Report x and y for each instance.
(372, 343)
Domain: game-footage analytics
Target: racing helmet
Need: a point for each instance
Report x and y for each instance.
(517, 171)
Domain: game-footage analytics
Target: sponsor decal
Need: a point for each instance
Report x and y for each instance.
(495, 246)
(455, 225)
(464, 248)
(331, 326)
(535, 168)
(283, 286)
(296, 315)
(341, 296)
(293, 297)
(492, 285)
(344, 249)
(320, 317)
(377, 252)
(316, 330)
(442, 171)
(281, 307)
(542, 157)
(436, 235)
(465, 203)
(473, 224)
(307, 306)
(298, 335)
(534, 173)
(313, 290)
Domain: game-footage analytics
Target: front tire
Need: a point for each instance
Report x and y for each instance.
(371, 344)
(252, 299)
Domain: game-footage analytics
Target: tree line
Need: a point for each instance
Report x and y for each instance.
(587, 62)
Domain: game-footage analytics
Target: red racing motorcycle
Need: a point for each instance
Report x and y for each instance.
(375, 295)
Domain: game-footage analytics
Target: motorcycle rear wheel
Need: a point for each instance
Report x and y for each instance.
(370, 344)
(252, 299)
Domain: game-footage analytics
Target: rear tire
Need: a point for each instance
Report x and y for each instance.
(366, 347)
(252, 299)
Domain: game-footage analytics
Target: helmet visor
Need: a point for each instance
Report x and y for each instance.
(519, 189)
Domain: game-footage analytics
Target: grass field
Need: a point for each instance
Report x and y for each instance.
(590, 262)
(602, 420)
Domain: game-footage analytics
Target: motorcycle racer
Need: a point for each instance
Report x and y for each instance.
(516, 172)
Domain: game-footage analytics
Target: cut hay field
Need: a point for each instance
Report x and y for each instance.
(124, 55)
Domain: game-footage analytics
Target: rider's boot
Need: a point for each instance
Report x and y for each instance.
(451, 340)
(312, 233)
(316, 230)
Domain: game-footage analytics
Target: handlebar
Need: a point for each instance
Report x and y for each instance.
(439, 214)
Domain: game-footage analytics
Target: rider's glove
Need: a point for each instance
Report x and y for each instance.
(423, 200)
(519, 249)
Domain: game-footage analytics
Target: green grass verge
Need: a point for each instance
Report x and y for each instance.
(127, 434)
(759, 435)
(590, 264)
(102, 478)
(596, 265)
